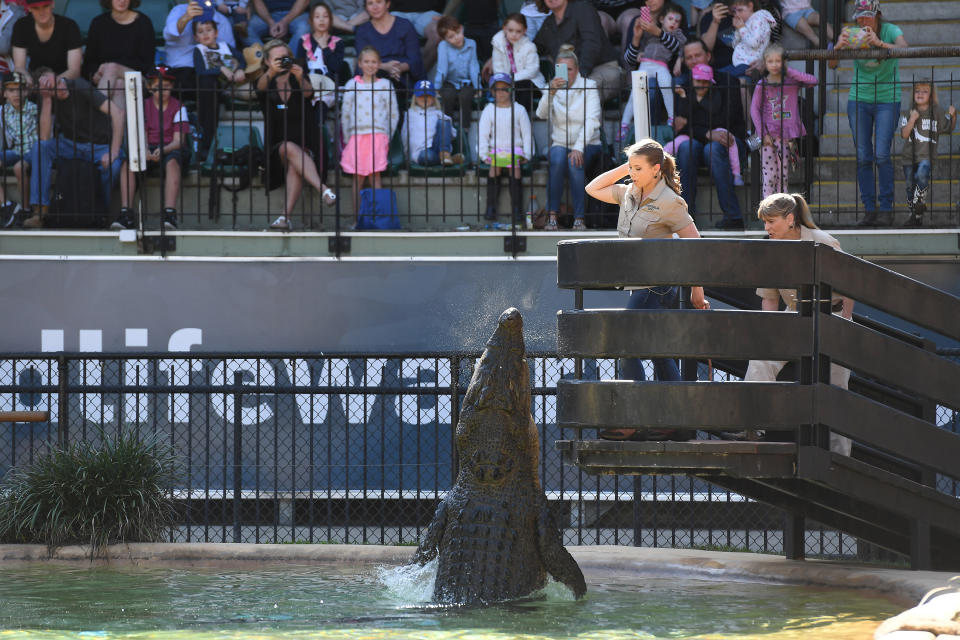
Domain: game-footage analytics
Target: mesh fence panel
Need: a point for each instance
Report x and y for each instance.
(360, 449)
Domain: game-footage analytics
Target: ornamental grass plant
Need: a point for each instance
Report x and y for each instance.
(92, 493)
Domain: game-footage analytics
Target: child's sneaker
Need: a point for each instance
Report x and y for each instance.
(737, 180)
(8, 214)
(170, 219)
(281, 224)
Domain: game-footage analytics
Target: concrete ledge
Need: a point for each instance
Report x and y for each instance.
(598, 563)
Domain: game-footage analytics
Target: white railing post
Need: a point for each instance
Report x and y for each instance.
(136, 138)
(641, 105)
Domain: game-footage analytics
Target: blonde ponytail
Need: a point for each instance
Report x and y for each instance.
(652, 151)
(780, 205)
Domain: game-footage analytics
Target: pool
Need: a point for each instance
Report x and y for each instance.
(80, 601)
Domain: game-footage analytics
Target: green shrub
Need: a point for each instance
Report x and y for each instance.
(94, 494)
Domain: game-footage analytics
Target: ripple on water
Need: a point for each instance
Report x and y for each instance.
(44, 601)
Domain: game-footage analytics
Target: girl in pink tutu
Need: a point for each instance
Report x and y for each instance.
(368, 118)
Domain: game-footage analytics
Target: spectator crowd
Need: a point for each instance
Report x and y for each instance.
(356, 74)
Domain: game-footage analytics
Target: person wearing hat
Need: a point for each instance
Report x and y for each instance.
(506, 142)
(46, 40)
(573, 108)
(427, 132)
(873, 110)
(718, 136)
(89, 127)
(118, 41)
(167, 129)
(19, 118)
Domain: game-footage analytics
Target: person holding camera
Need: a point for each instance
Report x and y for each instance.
(284, 93)
(873, 108)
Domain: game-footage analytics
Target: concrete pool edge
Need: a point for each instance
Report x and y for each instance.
(903, 586)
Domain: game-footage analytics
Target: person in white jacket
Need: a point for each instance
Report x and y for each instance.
(427, 132)
(515, 55)
(505, 142)
(573, 108)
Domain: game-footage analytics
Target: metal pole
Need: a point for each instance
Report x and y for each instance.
(63, 415)
(237, 461)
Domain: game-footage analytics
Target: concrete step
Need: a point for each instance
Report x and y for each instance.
(832, 168)
(906, 10)
(838, 123)
(843, 193)
(841, 144)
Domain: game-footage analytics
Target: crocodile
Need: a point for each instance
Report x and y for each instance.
(494, 534)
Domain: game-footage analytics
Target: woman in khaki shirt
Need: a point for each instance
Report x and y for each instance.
(650, 207)
(786, 216)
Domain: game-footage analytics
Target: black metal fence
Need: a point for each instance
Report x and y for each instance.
(228, 190)
(357, 448)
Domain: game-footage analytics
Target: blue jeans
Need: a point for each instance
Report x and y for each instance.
(562, 168)
(442, 141)
(692, 154)
(257, 28)
(916, 175)
(664, 369)
(873, 126)
(46, 151)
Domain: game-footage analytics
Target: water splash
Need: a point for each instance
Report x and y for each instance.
(411, 583)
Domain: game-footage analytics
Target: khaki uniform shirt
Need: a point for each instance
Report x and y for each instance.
(661, 214)
(789, 296)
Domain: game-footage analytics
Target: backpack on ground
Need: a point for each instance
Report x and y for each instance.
(378, 209)
(77, 200)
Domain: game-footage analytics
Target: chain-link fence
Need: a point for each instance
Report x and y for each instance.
(359, 449)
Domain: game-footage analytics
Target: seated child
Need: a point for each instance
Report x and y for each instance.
(212, 59)
(427, 132)
(458, 71)
(167, 129)
(515, 55)
(802, 18)
(701, 105)
(19, 121)
(754, 29)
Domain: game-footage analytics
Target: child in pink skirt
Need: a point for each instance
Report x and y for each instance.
(702, 78)
(369, 116)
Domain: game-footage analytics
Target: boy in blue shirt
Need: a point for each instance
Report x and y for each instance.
(458, 71)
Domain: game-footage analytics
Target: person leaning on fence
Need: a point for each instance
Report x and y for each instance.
(515, 55)
(650, 207)
(167, 130)
(920, 127)
(458, 71)
(577, 24)
(118, 41)
(42, 39)
(873, 108)
(427, 132)
(18, 116)
(573, 108)
(775, 111)
(506, 143)
(89, 127)
(368, 117)
(787, 216)
(284, 92)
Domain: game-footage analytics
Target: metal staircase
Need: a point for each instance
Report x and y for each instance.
(887, 493)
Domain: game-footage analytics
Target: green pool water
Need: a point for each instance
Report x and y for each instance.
(40, 601)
